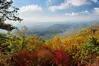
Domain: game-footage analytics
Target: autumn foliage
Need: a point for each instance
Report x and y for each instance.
(43, 57)
(82, 49)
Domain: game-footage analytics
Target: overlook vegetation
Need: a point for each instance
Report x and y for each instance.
(19, 49)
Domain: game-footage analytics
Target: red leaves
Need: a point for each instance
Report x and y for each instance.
(62, 57)
(42, 57)
(24, 53)
(24, 58)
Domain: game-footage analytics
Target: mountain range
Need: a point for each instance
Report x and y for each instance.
(60, 29)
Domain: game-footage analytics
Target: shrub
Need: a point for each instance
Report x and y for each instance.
(62, 58)
(45, 56)
(22, 58)
(34, 43)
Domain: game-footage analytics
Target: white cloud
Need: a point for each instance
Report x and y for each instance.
(95, 1)
(59, 7)
(78, 2)
(96, 11)
(8, 0)
(31, 14)
(84, 12)
(30, 21)
(72, 14)
(77, 13)
(50, 1)
(68, 17)
(29, 8)
(31, 18)
(68, 3)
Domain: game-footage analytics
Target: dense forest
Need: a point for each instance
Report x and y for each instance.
(81, 49)
(19, 49)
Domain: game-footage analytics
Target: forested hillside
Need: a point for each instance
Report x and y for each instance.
(81, 49)
(61, 29)
(39, 47)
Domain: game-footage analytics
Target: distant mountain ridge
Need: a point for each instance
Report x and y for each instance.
(61, 29)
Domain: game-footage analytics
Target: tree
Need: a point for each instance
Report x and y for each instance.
(34, 43)
(22, 34)
(88, 51)
(8, 12)
(55, 44)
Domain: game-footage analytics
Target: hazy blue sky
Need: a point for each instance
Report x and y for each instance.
(33, 11)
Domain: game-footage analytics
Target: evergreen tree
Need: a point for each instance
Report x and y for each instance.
(8, 12)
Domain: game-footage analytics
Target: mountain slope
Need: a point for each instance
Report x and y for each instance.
(61, 29)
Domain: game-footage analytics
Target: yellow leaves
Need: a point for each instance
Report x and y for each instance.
(56, 38)
(73, 44)
(55, 44)
(34, 42)
(97, 57)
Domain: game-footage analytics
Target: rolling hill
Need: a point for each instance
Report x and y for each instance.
(61, 29)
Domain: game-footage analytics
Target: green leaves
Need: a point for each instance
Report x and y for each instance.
(91, 45)
(14, 43)
(90, 49)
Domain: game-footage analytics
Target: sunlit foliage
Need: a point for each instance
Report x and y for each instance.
(22, 50)
(34, 43)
